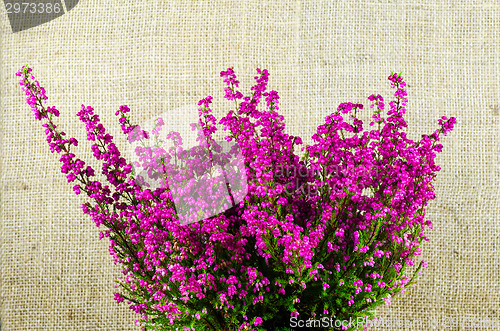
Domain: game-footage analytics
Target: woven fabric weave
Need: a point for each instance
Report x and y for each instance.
(158, 56)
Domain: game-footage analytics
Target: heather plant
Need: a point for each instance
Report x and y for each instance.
(329, 234)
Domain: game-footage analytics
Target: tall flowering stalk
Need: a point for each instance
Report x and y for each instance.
(328, 235)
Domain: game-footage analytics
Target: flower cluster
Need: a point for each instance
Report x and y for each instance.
(276, 251)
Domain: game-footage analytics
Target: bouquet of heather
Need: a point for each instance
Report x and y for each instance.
(284, 240)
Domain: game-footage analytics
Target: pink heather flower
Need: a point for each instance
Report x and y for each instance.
(258, 321)
(358, 283)
(387, 301)
(118, 298)
(356, 237)
(351, 301)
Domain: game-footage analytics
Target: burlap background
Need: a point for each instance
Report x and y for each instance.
(155, 56)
